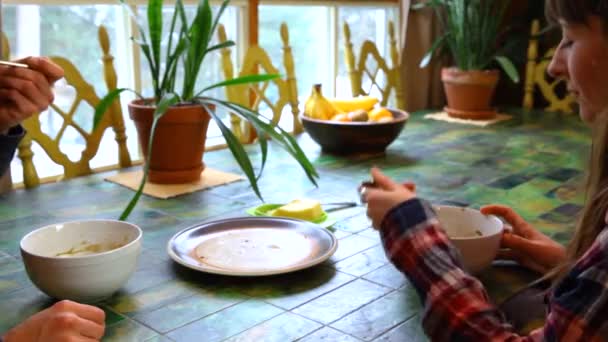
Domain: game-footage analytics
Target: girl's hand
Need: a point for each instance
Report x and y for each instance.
(63, 322)
(385, 195)
(526, 245)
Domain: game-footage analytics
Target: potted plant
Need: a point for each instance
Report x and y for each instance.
(172, 125)
(472, 29)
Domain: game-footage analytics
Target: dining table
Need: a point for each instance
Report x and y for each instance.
(532, 162)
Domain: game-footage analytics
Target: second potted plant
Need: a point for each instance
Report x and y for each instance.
(471, 32)
(172, 124)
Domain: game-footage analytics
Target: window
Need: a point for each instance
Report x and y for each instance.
(316, 38)
(58, 30)
(40, 28)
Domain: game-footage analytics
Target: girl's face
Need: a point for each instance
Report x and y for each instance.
(582, 60)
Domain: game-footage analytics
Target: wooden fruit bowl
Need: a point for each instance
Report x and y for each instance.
(355, 137)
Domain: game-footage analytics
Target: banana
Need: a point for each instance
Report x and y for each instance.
(350, 105)
(318, 107)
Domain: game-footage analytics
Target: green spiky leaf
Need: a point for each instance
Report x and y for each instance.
(162, 107)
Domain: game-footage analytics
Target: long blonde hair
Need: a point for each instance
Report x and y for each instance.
(593, 216)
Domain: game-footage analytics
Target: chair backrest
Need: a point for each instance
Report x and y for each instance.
(252, 96)
(84, 92)
(538, 78)
(5, 47)
(360, 74)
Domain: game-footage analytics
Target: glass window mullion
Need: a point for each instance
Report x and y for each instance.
(333, 49)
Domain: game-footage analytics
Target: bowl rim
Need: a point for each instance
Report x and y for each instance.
(469, 238)
(136, 240)
(405, 116)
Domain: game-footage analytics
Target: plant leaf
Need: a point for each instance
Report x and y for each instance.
(262, 140)
(170, 59)
(241, 80)
(508, 67)
(226, 44)
(104, 104)
(167, 101)
(155, 27)
(422, 5)
(218, 17)
(199, 35)
(426, 59)
(280, 136)
(135, 18)
(241, 157)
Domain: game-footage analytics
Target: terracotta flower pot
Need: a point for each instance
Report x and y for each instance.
(179, 142)
(470, 93)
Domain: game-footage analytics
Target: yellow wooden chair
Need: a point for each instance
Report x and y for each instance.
(5, 48)
(84, 93)
(358, 70)
(538, 78)
(252, 96)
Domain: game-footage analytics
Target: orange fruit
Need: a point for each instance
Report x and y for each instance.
(378, 113)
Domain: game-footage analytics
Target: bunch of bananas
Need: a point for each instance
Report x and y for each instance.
(321, 108)
(318, 107)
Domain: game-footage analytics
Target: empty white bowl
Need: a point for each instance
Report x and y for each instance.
(477, 236)
(85, 261)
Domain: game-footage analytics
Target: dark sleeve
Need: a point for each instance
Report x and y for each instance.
(8, 145)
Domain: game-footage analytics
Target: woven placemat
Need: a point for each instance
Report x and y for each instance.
(209, 178)
(443, 116)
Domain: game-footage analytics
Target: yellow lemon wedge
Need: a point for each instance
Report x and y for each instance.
(303, 209)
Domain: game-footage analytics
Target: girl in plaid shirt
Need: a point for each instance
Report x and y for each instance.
(457, 307)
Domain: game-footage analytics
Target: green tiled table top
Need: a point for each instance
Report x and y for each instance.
(532, 162)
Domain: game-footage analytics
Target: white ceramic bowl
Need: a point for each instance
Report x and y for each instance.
(477, 236)
(85, 261)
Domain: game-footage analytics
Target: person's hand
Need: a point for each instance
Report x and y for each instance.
(384, 195)
(24, 92)
(526, 245)
(65, 321)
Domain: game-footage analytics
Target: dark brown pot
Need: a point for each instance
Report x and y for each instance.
(470, 93)
(179, 142)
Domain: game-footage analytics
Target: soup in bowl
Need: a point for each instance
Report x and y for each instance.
(475, 235)
(84, 261)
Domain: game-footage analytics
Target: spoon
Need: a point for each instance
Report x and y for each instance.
(339, 205)
(13, 64)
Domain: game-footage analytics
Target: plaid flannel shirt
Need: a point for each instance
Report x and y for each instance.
(456, 306)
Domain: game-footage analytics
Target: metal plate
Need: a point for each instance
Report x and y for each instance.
(252, 246)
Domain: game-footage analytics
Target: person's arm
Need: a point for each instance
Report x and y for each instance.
(8, 145)
(456, 306)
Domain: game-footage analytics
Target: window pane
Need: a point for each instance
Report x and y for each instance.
(366, 23)
(69, 32)
(309, 37)
(308, 28)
